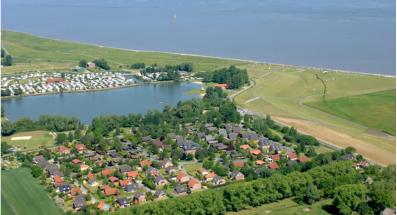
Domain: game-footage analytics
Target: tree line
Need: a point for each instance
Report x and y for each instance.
(6, 58)
(232, 76)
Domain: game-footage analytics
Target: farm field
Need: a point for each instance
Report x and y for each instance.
(22, 195)
(35, 53)
(283, 91)
(36, 140)
(375, 110)
(286, 206)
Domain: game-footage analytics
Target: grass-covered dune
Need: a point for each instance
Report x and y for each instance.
(288, 94)
(21, 194)
(36, 53)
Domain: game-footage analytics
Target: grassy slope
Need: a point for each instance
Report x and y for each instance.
(281, 91)
(285, 207)
(39, 138)
(22, 195)
(31, 53)
(375, 110)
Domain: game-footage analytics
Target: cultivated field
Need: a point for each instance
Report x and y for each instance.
(21, 195)
(34, 53)
(285, 207)
(375, 110)
(37, 139)
(283, 91)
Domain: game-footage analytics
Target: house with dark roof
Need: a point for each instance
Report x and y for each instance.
(124, 168)
(139, 198)
(160, 194)
(132, 187)
(237, 175)
(218, 180)
(41, 161)
(122, 202)
(180, 190)
(160, 181)
(79, 202)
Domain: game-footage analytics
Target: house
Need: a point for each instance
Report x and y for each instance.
(139, 198)
(123, 202)
(238, 163)
(91, 179)
(171, 170)
(63, 150)
(348, 156)
(255, 152)
(76, 161)
(103, 206)
(223, 133)
(124, 168)
(245, 147)
(166, 163)
(259, 162)
(237, 175)
(210, 176)
(90, 65)
(124, 182)
(203, 171)
(221, 147)
(107, 171)
(182, 177)
(232, 136)
(41, 161)
(273, 166)
(160, 194)
(159, 144)
(180, 190)
(84, 167)
(64, 188)
(145, 163)
(218, 180)
(58, 180)
(53, 170)
(160, 181)
(292, 156)
(132, 187)
(114, 180)
(303, 158)
(152, 171)
(75, 191)
(275, 157)
(79, 202)
(194, 184)
(222, 86)
(132, 174)
(55, 80)
(81, 148)
(110, 191)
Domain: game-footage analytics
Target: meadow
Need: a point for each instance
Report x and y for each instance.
(375, 110)
(286, 206)
(284, 91)
(38, 139)
(32, 53)
(22, 195)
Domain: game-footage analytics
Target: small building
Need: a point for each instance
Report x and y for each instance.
(166, 163)
(124, 168)
(139, 198)
(91, 65)
(292, 156)
(237, 175)
(182, 177)
(180, 190)
(194, 184)
(79, 202)
(122, 202)
(103, 206)
(218, 180)
(160, 194)
(145, 163)
(223, 86)
(81, 148)
(132, 174)
(238, 163)
(160, 181)
(107, 171)
(273, 166)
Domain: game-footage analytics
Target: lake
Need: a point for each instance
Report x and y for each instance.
(356, 35)
(86, 105)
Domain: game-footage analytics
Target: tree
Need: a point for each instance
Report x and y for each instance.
(138, 66)
(3, 53)
(36, 171)
(347, 198)
(102, 63)
(60, 139)
(83, 63)
(5, 147)
(311, 194)
(7, 61)
(7, 128)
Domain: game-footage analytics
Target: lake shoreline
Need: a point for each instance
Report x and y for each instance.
(214, 57)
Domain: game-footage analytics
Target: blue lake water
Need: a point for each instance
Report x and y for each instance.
(86, 105)
(357, 35)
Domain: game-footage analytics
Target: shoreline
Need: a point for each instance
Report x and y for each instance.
(94, 90)
(213, 57)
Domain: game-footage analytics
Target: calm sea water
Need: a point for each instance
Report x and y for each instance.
(87, 105)
(357, 35)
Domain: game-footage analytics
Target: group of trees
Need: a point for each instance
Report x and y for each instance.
(339, 181)
(101, 63)
(51, 123)
(138, 66)
(6, 59)
(169, 72)
(232, 76)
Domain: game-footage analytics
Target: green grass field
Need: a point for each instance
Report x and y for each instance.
(192, 167)
(35, 53)
(375, 110)
(21, 195)
(38, 139)
(286, 207)
(283, 91)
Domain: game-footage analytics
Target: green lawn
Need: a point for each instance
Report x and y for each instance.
(286, 207)
(374, 110)
(284, 91)
(191, 168)
(38, 139)
(21, 194)
(35, 53)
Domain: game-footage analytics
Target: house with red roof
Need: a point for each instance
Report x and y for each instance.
(132, 174)
(81, 148)
(222, 86)
(182, 177)
(292, 156)
(238, 163)
(107, 171)
(273, 166)
(194, 184)
(145, 163)
(255, 152)
(64, 150)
